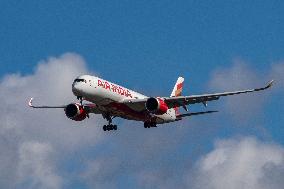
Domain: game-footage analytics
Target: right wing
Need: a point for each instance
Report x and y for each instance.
(90, 108)
(32, 106)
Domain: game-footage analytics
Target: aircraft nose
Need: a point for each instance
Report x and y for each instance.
(76, 89)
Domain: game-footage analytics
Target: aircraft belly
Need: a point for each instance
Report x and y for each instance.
(137, 107)
(122, 110)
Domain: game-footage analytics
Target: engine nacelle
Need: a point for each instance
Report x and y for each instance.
(75, 112)
(156, 105)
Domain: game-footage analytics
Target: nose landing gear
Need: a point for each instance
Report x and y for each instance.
(81, 100)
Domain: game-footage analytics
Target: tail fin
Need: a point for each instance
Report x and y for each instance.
(177, 91)
(178, 87)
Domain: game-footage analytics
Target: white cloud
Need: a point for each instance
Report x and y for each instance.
(239, 77)
(134, 155)
(28, 134)
(36, 169)
(277, 73)
(50, 84)
(240, 163)
(102, 172)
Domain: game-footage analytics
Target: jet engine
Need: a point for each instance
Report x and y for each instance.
(156, 105)
(75, 112)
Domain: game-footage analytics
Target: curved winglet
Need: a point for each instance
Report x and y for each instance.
(31, 103)
(269, 84)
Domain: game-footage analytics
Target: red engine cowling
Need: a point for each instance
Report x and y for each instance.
(156, 105)
(75, 112)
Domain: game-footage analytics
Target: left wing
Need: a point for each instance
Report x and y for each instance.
(178, 101)
(193, 99)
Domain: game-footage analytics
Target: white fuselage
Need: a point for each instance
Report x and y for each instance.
(109, 97)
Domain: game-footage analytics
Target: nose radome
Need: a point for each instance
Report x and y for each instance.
(76, 89)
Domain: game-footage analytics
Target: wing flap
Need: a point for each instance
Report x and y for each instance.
(194, 113)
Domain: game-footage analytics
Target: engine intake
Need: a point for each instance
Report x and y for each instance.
(75, 112)
(156, 105)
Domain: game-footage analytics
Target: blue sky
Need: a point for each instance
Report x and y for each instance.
(193, 37)
(146, 45)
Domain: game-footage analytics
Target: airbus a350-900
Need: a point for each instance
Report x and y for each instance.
(111, 100)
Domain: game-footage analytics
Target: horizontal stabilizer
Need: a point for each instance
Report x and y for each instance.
(194, 113)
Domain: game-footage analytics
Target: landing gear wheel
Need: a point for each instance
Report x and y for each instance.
(146, 125)
(110, 126)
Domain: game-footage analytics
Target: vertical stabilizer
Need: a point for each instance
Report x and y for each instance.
(177, 91)
(178, 87)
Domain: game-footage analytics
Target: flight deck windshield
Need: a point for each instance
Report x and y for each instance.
(79, 80)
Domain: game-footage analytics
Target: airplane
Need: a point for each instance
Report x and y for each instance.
(112, 100)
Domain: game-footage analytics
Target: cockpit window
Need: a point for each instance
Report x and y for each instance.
(80, 80)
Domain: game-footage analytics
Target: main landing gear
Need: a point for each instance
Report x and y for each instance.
(110, 126)
(149, 124)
